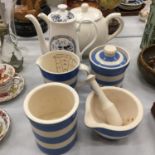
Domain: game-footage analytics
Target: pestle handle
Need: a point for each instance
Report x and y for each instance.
(98, 90)
(110, 111)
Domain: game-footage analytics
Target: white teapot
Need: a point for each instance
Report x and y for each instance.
(87, 30)
(63, 31)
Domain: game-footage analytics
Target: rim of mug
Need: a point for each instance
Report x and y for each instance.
(9, 77)
(130, 126)
(118, 67)
(60, 51)
(52, 121)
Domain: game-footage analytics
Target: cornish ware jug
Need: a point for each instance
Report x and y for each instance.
(87, 30)
(63, 31)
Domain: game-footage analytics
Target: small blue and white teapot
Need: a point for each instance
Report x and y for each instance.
(63, 31)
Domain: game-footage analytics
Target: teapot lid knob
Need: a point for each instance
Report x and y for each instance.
(62, 7)
(84, 7)
(110, 50)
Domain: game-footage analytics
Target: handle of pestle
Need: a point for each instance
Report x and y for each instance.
(109, 110)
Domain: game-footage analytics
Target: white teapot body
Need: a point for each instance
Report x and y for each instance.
(87, 30)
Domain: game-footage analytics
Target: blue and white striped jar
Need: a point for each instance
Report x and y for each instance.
(109, 64)
(59, 66)
(52, 111)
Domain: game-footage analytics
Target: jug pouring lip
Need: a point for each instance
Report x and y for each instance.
(42, 58)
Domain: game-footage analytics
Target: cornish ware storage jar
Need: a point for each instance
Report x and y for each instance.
(52, 111)
(109, 64)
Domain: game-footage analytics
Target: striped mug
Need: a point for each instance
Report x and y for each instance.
(52, 111)
(60, 66)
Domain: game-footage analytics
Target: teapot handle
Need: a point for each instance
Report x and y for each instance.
(94, 38)
(116, 16)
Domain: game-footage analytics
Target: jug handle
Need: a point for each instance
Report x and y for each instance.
(94, 38)
(116, 16)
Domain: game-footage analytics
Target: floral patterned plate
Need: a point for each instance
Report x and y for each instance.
(15, 90)
(4, 123)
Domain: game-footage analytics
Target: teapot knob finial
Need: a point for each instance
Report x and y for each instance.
(110, 50)
(62, 7)
(84, 7)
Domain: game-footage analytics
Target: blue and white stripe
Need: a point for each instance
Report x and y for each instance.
(68, 77)
(72, 82)
(54, 135)
(64, 149)
(100, 58)
(56, 138)
(109, 73)
(114, 135)
(109, 80)
(132, 2)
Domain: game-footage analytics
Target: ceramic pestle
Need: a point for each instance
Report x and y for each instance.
(110, 112)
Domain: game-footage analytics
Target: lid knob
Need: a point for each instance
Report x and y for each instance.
(84, 7)
(110, 50)
(62, 7)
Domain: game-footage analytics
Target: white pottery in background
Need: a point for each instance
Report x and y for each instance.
(87, 30)
(63, 31)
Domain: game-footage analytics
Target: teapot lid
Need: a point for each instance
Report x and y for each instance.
(86, 12)
(62, 15)
(109, 56)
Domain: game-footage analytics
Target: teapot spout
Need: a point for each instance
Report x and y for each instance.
(43, 44)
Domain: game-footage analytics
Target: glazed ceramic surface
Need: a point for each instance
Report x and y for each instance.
(7, 73)
(4, 123)
(109, 64)
(132, 2)
(87, 30)
(15, 89)
(146, 63)
(128, 105)
(131, 5)
(63, 31)
(60, 66)
(52, 111)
